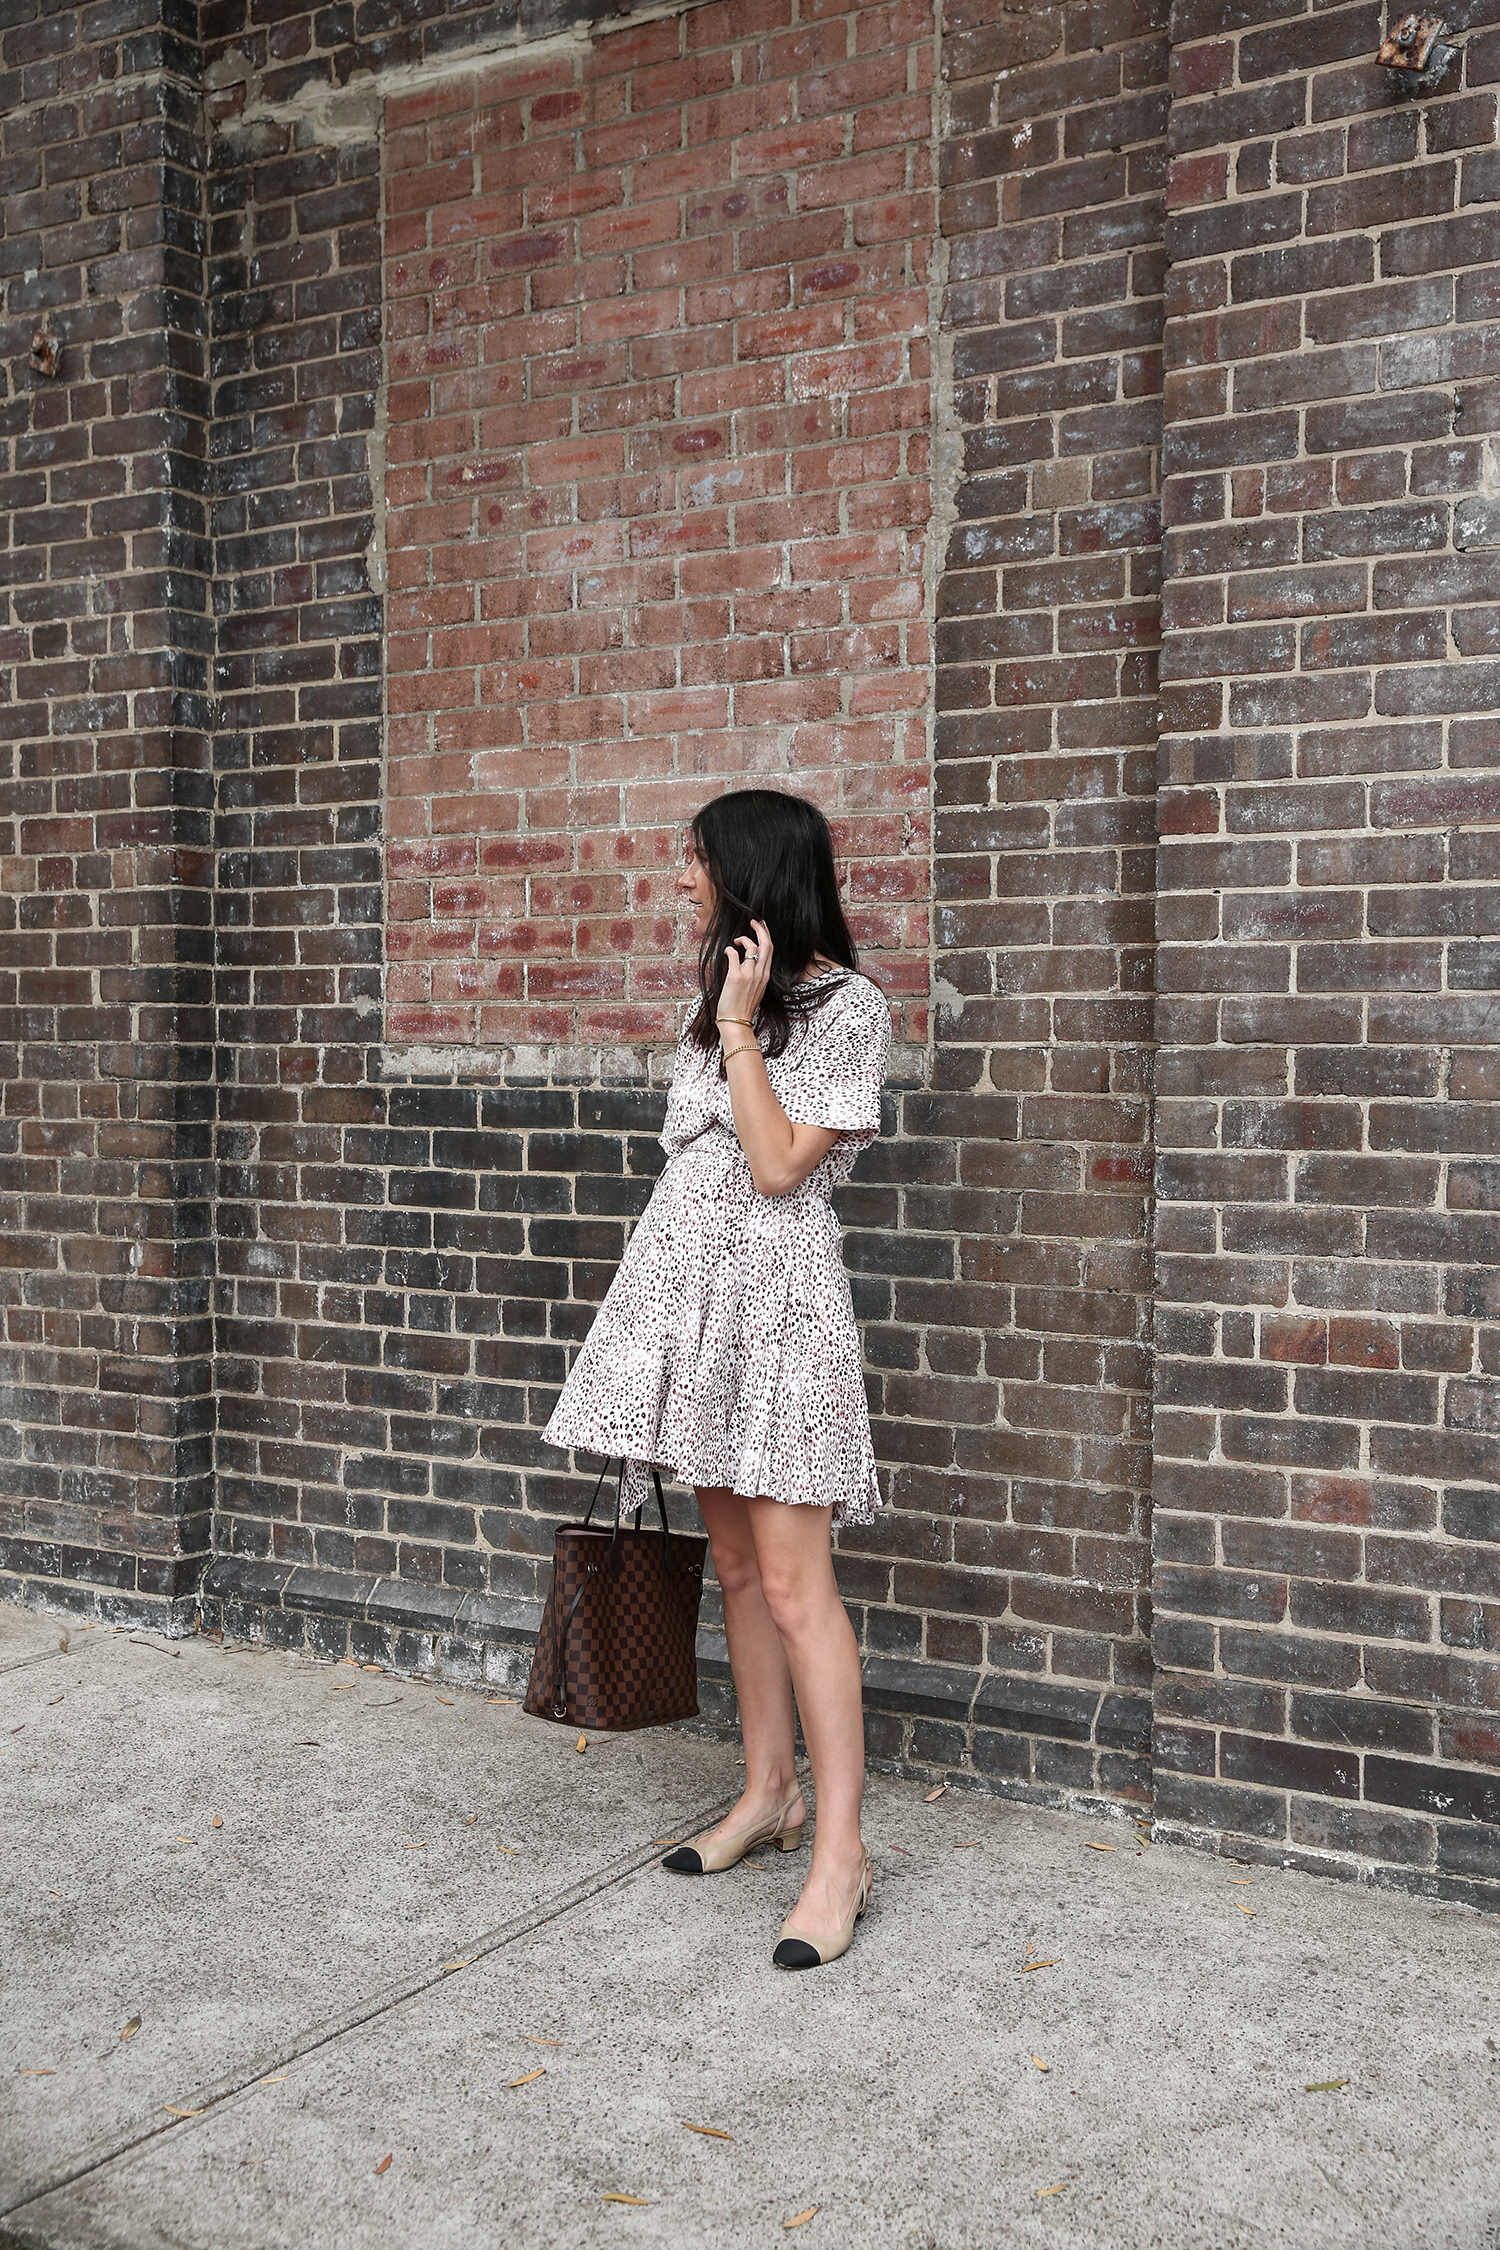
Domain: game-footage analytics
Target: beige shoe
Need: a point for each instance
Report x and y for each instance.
(704, 1858)
(796, 1951)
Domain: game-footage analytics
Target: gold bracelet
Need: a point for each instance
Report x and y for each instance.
(748, 1048)
(747, 1021)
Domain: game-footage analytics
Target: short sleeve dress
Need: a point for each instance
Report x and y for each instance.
(725, 1350)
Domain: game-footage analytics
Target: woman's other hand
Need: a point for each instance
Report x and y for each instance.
(747, 972)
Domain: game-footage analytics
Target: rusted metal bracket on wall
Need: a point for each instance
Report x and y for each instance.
(1414, 46)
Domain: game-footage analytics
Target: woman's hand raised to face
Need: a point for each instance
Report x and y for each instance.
(747, 972)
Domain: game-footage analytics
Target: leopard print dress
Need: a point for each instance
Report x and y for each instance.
(725, 1350)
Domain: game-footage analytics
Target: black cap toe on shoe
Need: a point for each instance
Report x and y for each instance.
(684, 1861)
(796, 1953)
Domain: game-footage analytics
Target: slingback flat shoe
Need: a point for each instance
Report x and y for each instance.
(794, 1951)
(704, 1858)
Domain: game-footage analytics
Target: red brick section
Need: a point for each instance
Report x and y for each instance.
(1023, 1422)
(105, 1411)
(1327, 1404)
(657, 493)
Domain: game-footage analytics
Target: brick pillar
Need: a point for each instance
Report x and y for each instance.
(1327, 1402)
(307, 1252)
(1028, 1428)
(105, 1245)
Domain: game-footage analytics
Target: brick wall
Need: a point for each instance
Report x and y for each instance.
(410, 1238)
(105, 1107)
(1326, 1371)
(656, 503)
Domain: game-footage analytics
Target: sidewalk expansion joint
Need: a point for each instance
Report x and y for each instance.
(244, 2080)
(86, 1643)
(38, 1656)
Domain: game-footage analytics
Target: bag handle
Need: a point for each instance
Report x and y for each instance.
(620, 1496)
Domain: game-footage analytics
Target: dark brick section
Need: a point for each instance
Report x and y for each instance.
(397, 1308)
(470, 1250)
(1327, 1360)
(105, 640)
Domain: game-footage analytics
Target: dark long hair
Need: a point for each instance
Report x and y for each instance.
(769, 857)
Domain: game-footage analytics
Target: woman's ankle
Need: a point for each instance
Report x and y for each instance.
(841, 1856)
(774, 1788)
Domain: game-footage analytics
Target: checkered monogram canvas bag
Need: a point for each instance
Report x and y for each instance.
(618, 1641)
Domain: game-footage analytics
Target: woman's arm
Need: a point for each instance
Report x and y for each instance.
(781, 1155)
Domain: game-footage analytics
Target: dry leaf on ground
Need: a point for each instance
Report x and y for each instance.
(36, 2073)
(529, 2076)
(129, 2030)
(801, 2218)
(277, 2078)
(173, 2112)
(1244, 1909)
(933, 1795)
(1058, 2190)
(466, 1963)
(53, 1699)
(617, 2195)
(446, 1699)
(534, 2039)
(1328, 2086)
(1101, 1847)
(967, 1847)
(509, 1850)
(385, 2164)
(218, 1823)
(581, 1744)
(1041, 2066)
(415, 1847)
(709, 2132)
(1028, 1966)
(663, 1843)
(471, 1820)
(496, 1700)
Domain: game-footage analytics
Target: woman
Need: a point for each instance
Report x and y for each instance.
(726, 1348)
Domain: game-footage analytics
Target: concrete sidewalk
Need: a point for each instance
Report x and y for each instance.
(353, 1968)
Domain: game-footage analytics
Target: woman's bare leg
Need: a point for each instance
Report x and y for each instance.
(793, 1549)
(762, 1682)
